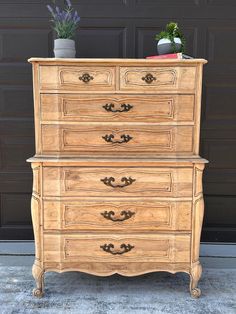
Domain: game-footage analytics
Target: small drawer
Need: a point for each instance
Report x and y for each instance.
(125, 181)
(117, 214)
(120, 108)
(76, 78)
(116, 248)
(107, 139)
(158, 78)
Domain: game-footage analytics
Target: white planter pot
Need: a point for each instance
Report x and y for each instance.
(164, 46)
(64, 48)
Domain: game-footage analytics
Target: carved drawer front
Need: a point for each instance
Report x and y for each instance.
(119, 248)
(109, 108)
(115, 214)
(67, 139)
(101, 181)
(157, 78)
(77, 78)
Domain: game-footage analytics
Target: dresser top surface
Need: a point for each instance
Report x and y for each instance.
(103, 161)
(115, 61)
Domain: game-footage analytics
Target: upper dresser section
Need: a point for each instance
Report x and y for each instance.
(101, 106)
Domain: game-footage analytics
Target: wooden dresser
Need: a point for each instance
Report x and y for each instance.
(117, 179)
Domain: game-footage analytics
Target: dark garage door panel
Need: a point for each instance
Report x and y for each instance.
(120, 28)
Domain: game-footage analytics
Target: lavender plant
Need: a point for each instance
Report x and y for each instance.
(64, 21)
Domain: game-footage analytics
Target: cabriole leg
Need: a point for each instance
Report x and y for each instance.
(38, 275)
(195, 275)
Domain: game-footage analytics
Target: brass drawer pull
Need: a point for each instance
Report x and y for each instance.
(124, 248)
(124, 138)
(125, 108)
(124, 215)
(149, 78)
(109, 182)
(86, 77)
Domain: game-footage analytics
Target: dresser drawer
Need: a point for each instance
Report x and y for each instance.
(77, 78)
(119, 248)
(116, 214)
(67, 139)
(157, 78)
(126, 181)
(109, 108)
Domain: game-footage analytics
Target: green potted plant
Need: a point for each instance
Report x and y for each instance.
(170, 40)
(65, 23)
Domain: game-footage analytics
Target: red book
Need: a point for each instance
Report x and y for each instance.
(178, 55)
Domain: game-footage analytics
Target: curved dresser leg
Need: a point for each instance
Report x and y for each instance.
(38, 273)
(195, 275)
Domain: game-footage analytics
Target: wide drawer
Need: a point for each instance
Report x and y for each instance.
(116, 214)
(125, 181)
(119, 248)
(158, 139)
(109, 108)
(78, 78)
(157, 78)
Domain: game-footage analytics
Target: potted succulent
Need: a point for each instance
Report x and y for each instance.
(170, 40)
(65, 23)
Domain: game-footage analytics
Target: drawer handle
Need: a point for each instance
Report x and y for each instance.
(149, 78)
(125, 108)
(124, 138)
(124, 248)
(86, 77)
(124, 215)
(109, 182)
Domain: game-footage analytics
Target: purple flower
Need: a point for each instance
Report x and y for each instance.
(58, 10)
(50, 9)
(68, 3)
(76, 17)
(68, 16)
(61, 16)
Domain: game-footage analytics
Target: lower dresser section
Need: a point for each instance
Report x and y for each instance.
(116, 248)
(128, 217)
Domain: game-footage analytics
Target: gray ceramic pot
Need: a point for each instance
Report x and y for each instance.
(164, 46)
(64, 48)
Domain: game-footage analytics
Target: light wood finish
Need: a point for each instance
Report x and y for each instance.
(162, 78)
(76, 181)
(71, 139)
(113, 161)
(139, 108)
(145, 248)
(117, 214)
(71, 78)
(102, 207)
(162, 116)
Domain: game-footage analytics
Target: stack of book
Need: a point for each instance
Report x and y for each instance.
(178, 55)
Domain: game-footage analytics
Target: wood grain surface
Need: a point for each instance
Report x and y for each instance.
(117, 176)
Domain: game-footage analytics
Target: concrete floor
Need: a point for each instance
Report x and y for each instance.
(148, 294)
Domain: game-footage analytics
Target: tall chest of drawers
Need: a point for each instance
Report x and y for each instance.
(117, 177)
